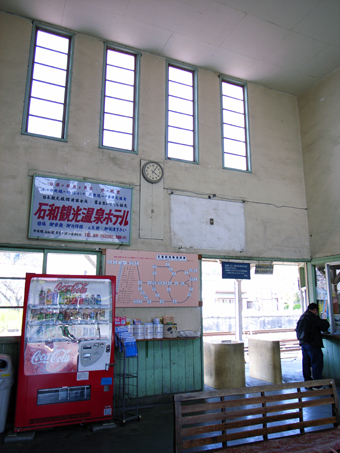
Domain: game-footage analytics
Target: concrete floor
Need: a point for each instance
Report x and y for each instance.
(153, 433)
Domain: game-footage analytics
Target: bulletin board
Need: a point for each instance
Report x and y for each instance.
(151, 279)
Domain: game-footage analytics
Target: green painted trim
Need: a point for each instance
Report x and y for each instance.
(255, 258)
(325, 259)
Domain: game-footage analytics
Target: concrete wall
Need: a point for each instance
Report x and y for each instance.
(319, 110)
(259, 322)
(273, 196)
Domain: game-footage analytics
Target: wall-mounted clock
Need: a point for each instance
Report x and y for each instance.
(152, 171)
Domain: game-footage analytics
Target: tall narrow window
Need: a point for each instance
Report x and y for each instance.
(234, 126)
(182, 117)
(47, 94)
(119, 105)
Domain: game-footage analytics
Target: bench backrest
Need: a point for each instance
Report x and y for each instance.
(218, 417)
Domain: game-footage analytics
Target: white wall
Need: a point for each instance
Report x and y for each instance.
(319, 110)
(273, 196)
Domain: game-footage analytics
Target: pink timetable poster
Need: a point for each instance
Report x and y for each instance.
(151, 279)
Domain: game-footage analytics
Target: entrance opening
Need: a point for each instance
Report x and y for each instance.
(272, 301)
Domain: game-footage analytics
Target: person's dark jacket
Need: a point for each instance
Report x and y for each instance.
(313, 325)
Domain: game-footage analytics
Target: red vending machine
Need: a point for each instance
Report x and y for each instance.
(66, 350)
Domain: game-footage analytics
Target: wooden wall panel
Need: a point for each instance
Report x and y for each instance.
(331, 354)
(166, 367)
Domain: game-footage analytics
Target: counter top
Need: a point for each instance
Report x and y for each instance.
(330, 335)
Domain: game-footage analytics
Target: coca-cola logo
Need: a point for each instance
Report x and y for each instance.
(79, 287)
(58, 356)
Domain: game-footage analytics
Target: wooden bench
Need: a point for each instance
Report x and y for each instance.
(263, 418)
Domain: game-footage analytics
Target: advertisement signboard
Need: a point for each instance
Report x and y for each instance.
(46, 358)
(78, 210)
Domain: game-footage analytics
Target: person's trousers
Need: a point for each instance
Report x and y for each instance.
(312, 362)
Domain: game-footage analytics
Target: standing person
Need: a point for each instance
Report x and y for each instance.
(308, 332)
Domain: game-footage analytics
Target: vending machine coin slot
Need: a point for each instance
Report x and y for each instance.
(93, 355)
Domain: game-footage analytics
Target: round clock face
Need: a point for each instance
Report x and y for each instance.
(152, 172)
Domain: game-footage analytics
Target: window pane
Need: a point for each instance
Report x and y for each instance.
(237, 133)
(10, 322)
(180, 136)
(181, 106)
(48, 92)
(120, 75)
(50, 75)
(46, 109)
(233, 104)
(71, 264)
(51, 58)
(120, 91)
(181, 75)
(182, 152)
(234, 91)
(42, 126)
(181, 91)
(233, 118)
(124, 60)
(179, 120)
(12, 292)
(236, 162)
(17, 264)
(117, 140)
(118, 123)
(233, 147)
(117, 106)
(52, 41)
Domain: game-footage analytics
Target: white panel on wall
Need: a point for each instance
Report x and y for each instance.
(191, 224)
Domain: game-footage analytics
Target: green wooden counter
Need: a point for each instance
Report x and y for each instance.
(167, 366)
(331, 354)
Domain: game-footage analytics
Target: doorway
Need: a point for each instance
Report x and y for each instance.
(272, 302)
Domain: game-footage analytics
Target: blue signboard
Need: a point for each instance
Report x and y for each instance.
(239, 271)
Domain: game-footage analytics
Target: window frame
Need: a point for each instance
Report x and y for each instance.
(71, 36)
(194, 71)
(44, 253)
(244, 85)
(137, 55)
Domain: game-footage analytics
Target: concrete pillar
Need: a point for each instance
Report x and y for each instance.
(238, 310)
(265, 360)
(224, 365)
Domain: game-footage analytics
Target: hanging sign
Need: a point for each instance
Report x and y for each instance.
(264, 268)
(238, 271)
(76, 210)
